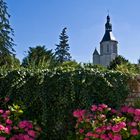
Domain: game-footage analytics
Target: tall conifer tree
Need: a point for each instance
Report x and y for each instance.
(62, 50)
(6, 41)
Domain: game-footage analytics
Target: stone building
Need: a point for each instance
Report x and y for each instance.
(108, 47)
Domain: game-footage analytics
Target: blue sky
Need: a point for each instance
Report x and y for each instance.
(39, 22)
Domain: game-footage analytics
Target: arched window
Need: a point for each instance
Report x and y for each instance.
(114, 48)
(107, 48)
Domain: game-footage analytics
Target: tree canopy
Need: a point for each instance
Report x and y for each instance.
(119, 60)
(38, 56)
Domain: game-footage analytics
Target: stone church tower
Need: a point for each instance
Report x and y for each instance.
(108, 47)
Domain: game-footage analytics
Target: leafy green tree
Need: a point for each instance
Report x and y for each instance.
(6, 41)
(69, 65)
(119, 60)
(129, 68)
(38, 56)
(9, 61)
(93, 66)
(62, 50)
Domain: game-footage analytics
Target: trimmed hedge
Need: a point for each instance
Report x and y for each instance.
(50, 96)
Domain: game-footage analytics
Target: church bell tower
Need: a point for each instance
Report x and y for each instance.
(108, 46)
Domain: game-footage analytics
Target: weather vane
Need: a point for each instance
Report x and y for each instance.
(107, 11)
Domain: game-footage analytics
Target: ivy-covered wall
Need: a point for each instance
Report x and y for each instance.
(50, 96)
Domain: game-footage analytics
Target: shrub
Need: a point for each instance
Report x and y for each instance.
(11, 125)
(56, 93)
(104, 123)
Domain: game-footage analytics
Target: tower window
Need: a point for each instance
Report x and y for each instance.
(114, 48)
(101, 49)
(107, 48)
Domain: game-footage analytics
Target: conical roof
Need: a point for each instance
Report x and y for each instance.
(95, 52)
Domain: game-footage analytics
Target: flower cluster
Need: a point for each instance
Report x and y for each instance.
(104, 123)
(13, 128)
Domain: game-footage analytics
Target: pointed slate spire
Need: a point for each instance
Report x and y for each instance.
(95, 52)
(108, 36)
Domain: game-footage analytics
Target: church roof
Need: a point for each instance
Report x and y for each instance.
(108, 36)
(95, 52)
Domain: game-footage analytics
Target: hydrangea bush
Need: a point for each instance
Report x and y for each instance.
(11, 125)
(104, 123)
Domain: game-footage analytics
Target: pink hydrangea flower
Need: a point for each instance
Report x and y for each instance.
(102, 117)
(26, 137)
(137, 112)
(103, 136)
(4, 116)
(2, 138)
(134, 132)
(98, 130)
(103, 106)
(8, 121)
(32, 133)
(124, 109)
(89, 134)
(116, 128)
(25, 124)
(93, 108)
(1, 111)
(86, 138)
(81, 131)
(113, 111)
(79, 113)
(95, 135)
(137, 118)
(130, 110)
(133, 124)
(7, 130)
(2, 127)
(110, 135)
(100, 109)
(122, 124)
(117, 137)
(7, 112)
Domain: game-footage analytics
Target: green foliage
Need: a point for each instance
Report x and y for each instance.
(93, 66)
(38, 57)
(62, 50)
(6, 42)
(129, 68)
(117, 61)
(50, 96)
(9, 61)
(71, 65)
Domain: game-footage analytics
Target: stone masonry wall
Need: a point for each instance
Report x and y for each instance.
(134, 91)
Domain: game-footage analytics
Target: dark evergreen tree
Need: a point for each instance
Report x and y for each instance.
(6, 32)
(62, 50)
